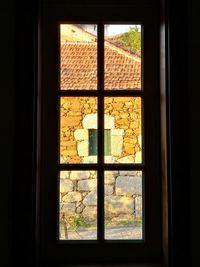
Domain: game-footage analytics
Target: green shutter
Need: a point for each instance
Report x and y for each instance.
(92, 142)
(107, 142)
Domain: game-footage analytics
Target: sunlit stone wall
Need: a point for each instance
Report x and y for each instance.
(123, 189)
(122, 117)
(123, 194)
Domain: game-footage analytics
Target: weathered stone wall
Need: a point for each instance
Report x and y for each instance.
(123, 194)
(123, 189)
(122, 117)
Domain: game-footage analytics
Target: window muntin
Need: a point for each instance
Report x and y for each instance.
(83, 119)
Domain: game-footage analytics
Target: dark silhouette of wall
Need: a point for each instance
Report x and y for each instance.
(16, 232)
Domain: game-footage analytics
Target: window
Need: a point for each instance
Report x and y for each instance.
(100, 187)
(93, 142)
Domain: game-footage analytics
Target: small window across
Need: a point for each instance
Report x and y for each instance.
(93, 142)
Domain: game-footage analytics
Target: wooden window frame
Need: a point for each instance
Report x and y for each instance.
(49, 248)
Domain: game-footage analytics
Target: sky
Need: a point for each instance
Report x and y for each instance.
(117, 29)
(110, 30)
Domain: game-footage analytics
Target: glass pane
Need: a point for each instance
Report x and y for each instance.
(123, 119)
(78, 61)
(78, 205)
(78, 115)
(123, 205)
(122, 57)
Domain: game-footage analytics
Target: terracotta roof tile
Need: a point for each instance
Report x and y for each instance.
(79, 67)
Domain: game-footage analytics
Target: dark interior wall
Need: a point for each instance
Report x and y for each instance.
(194, 124)
(8, 106)
(6, 127)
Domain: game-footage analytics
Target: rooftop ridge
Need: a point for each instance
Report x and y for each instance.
(123, 52)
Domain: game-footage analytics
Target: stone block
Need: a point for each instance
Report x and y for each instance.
(129, 140)
(120, 99)
(124, 122)
(109, 122)
(80, 208)
(81, 134)
(134, 125)
(65, 185)
(108, 190)
(70, 121)
(72, 197)
(64, 174)
(87, 185)
(128, 173)
(90, 159)
(140, 140)
(90, 199)
(127, 159)
(116, 205)
(116, 145)
(138, 157)
(117, 132)
(109, 159)
(68, 208)
(83, 148)
(71, 153)
(108, 100)
(90, 213)
(128, 185)
(110, 176)
(90, 121)
(138, 207)
(93, 174)
(79, 175)
(129, 148)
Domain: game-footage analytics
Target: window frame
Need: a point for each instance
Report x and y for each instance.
(49, 248)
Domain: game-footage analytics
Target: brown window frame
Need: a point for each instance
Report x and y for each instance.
(49, 249)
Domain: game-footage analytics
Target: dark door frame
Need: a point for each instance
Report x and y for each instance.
(175, 47)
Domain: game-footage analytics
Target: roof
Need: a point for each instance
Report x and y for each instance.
(79, 67)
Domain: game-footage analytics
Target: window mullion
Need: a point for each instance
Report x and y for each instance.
(100, 150)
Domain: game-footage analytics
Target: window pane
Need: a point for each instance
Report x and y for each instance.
(78, 61)
(122, 57)
(78, 205)
(123, 119)
(78, 115)
(123, 205)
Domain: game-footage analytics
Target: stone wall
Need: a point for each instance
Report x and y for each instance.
(123, 195)
(123, 189)
(122, 117)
